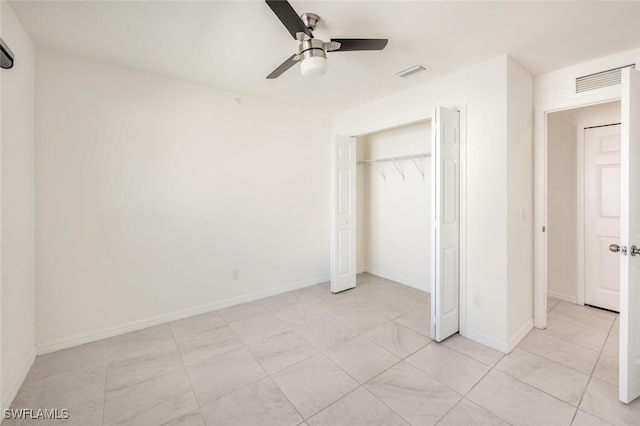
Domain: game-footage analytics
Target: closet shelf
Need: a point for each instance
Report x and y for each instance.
(402, 157)
(377, 164)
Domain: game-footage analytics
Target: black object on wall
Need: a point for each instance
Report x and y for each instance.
(6, 56)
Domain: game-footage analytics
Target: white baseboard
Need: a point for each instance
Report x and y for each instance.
(92, 336)
(398, 279)
(520, 334)
(483, 339)
(361, 269)
(19, 381)
(562, 296)
(499, 345)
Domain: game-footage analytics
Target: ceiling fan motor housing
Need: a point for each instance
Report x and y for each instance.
(311, 48)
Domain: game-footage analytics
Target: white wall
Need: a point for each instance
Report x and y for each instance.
(151, 191)
(481, 91)
(17, 211)
(562, 193)
(561, 211)
(556, 90)
(519, 202)
(395, 239)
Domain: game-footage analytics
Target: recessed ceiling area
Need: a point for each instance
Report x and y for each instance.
(234, 45)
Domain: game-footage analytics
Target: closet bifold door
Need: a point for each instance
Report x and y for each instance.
(343, 261)
(445, 204)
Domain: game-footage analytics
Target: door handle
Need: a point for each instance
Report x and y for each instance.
(616, 248)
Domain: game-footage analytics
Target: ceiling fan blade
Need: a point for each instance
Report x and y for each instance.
(291, 61)
(352, 44)
(288, 16)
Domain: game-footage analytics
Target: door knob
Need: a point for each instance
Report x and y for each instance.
(635, 250)
(614, 248)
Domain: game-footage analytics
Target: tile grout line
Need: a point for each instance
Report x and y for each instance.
(556, 362)
(590, 375)
(245, 347)
(469, 356)
(591, 330)
(593, 371)
(585, 329)
(164, 374)
(186, 373)
(400, 360)
(573, 417)
(106, 374)
(376, 396)
(395, 364)
(567, 316)
(320, 352)
(274, 382)
(333, 403)
(464, 396)
(538, 389)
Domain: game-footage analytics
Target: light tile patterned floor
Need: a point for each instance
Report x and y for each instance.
(361, 357)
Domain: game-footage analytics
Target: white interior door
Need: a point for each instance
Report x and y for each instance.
(602, 216)
(445, 283)
(343, 262)
(630, 238)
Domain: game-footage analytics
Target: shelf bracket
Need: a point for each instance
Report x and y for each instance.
(420, 169)
(379, 169)
(398, 168)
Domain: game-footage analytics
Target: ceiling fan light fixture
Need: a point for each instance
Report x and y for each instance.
(313, 58)
(313, 66)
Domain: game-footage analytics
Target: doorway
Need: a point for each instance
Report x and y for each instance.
(628, 92)
(583, 196)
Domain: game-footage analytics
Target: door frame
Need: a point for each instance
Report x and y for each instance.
(540, 180)
(426, 116)
(580, 209)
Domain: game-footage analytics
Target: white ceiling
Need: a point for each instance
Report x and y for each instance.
(233, 45)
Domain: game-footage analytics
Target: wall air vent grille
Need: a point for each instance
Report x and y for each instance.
(600, 79)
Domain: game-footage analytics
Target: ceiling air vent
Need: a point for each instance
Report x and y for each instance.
(412, 70)
(600, 79)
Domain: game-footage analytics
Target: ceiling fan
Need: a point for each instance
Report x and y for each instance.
(312, 52)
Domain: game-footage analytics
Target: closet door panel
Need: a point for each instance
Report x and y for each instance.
(343, 262)
(445, 296)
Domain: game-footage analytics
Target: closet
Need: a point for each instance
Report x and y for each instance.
(391, 189)
(393, 204)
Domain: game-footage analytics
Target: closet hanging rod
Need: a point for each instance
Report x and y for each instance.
(403, 157)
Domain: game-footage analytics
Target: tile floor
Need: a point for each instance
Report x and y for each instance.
(362, 357)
